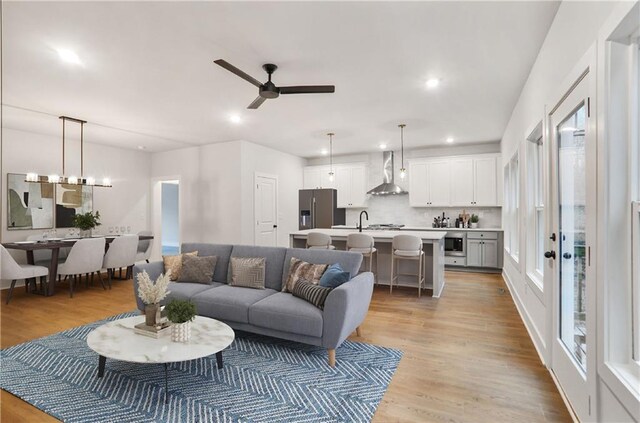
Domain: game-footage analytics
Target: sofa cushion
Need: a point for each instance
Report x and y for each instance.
(286, 313)
(310, 292)
(334, 276)
(186, 290)
(274, 262)
(173, 264)
(247, 272)
(197, 269)
(349, 261)
(223, 252)
(229, 302)
(299, 269)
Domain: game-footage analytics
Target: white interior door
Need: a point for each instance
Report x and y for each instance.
(573, 145)
(266, 210)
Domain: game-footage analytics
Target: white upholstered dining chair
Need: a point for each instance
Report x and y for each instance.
(144, 247)
(364, 244)
(85, 257)
(11, 270)
(319, 241)
(121, 253)
(407, 247)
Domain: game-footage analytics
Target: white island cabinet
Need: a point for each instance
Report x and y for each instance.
(433, 247)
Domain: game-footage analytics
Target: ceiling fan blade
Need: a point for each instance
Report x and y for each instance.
(308, 89)
(228, 66)
(256, 103)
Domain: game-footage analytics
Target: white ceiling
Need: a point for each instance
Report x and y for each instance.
(147, 68)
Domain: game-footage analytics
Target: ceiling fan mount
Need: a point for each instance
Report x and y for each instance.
(268, 90)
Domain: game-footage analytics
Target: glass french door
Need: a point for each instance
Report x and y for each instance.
(573, 186)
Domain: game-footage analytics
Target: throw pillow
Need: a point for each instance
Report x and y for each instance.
(247, 272)
(299, 269)
(173, 265)
(334, 276)
(197, 269)
(311, 293)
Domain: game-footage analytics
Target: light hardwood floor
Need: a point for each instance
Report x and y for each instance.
(467, 356)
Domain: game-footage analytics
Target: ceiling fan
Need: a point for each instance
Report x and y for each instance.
(269, 89)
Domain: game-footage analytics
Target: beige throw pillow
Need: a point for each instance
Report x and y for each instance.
(248, 272)
(173, 264)
(302, 270)
(197, 269)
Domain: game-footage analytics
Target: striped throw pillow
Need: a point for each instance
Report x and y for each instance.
(311, 292)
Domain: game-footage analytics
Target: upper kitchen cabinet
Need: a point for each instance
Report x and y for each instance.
(351, 183)
(316, 177)
(474, 181)
(429, 183)
(470, 181)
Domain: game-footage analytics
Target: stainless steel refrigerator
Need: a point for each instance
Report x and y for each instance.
(318, 209)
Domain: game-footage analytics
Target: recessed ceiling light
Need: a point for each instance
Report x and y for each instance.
(68, 56)
(235, 119)
(383, 146)
(142, 147)
(450, 140)
(433, 82)
(324, 152)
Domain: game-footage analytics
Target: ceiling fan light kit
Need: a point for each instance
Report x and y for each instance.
(331, 174)
(403, 171)
(269, 90)
(54, 178)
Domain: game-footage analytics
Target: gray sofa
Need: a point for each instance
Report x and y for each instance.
(269, 311)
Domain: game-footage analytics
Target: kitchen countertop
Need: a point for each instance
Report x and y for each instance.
(430, 235)
(422, 228)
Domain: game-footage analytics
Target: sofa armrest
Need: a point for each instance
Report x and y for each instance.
(154, 270)
(345, 309)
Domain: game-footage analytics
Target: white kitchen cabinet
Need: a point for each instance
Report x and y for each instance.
(315, 177)
(351, 183)
(485, 182)
(462, 181)
(429, 183)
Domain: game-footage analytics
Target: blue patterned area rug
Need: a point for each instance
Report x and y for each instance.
(263, 379)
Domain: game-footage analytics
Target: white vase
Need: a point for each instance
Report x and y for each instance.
(181, 332)
(474, 225)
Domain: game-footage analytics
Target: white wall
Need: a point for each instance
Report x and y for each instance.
(396, 209)
(574, 30)
(216, 189)
(125, 204)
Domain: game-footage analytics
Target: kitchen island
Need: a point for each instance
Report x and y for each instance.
(433, 247)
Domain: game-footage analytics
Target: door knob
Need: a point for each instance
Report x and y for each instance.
(550, 254)
(553, 237)
(275, 226)
(567, 255)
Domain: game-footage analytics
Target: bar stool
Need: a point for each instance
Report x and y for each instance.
(364, 244)
(407, 247)
(319, 241)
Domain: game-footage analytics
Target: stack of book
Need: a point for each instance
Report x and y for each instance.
(152, 331)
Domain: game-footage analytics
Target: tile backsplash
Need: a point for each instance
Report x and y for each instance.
(396, 209)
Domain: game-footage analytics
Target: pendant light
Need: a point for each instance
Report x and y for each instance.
(403, 171)
(331, 174)
(70, 180)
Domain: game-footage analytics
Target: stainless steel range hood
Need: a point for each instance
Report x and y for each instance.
(387, 187)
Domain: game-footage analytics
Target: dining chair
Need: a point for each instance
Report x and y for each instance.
(85, 257)
(144, 247)
(365, 245)
(121, 253)
(11, 270)
(319, 241)
(407, 247)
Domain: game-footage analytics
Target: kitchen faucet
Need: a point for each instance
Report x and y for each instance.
(360, 225)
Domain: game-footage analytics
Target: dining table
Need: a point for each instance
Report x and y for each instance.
(55, 244)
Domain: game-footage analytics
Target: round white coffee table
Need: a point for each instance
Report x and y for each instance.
(117, 340)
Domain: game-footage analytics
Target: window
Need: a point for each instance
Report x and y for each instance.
(512, 212)
(535, 206)
(635, 287)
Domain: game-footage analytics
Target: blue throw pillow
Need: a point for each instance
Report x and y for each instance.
(334, 276)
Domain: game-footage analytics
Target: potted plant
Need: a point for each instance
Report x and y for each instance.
(85, 222)
(181, 313)
(474, 221)
(151, 294)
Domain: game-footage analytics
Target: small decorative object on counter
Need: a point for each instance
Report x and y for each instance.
(151, 294)
(181, 313)
(464, 219)
(85, 222)
(474, 221)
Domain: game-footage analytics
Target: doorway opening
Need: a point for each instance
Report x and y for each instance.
(170, 213)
